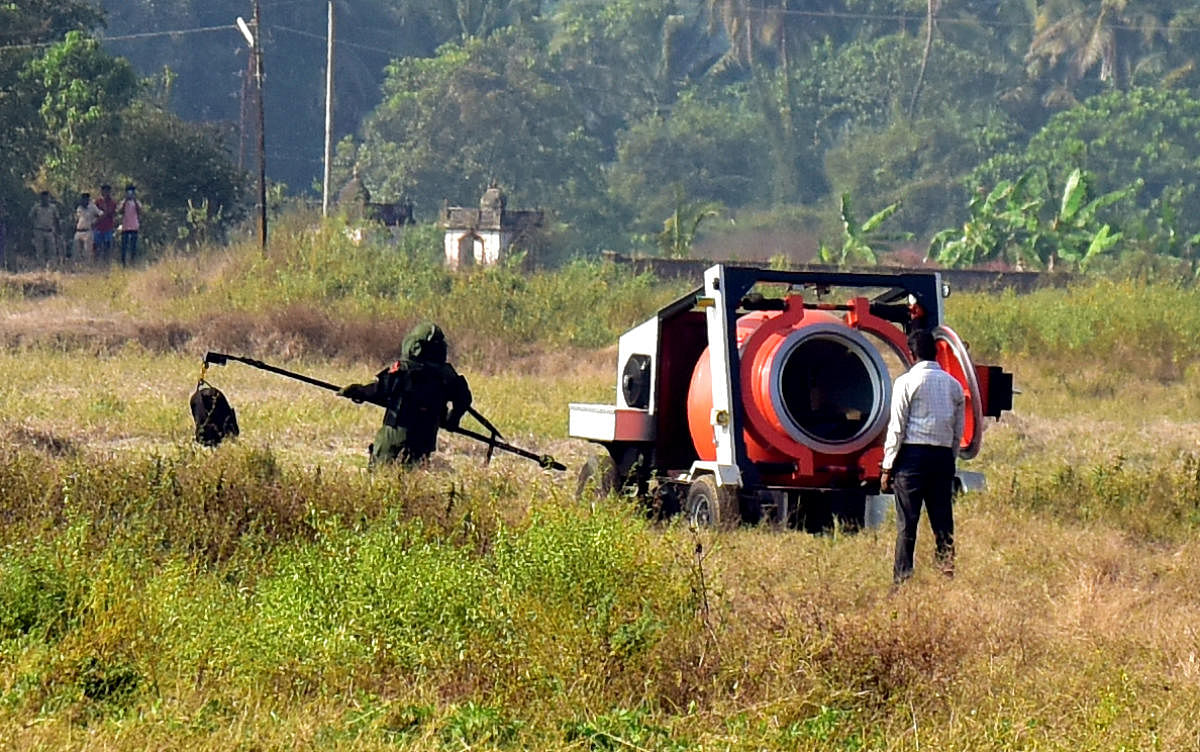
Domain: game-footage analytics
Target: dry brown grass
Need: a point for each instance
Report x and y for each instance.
(293, 333)
(31, 285)
(1062, 630)
(1060, 635)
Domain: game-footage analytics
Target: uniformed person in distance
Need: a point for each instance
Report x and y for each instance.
(421, 392)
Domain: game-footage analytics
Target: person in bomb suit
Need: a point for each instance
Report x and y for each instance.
(421, 393)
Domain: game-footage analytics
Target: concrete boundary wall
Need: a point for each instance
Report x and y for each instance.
(966, 280)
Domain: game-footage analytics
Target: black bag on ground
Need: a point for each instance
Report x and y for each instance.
(214, 416)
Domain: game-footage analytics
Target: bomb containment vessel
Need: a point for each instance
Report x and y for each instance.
(765, 395)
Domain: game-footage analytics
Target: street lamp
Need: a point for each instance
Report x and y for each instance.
(253, 38)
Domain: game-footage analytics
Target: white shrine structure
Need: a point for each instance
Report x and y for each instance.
(484, 236)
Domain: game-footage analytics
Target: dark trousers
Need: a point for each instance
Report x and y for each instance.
(406, 446)
(128, 246)
(923, 474)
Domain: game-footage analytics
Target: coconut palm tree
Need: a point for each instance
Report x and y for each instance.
(1113, 38)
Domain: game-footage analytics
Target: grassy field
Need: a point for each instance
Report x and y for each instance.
(272, 594)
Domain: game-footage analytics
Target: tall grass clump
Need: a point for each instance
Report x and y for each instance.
(1128, 325)
(1151, 501)
(557, 610)
(320, 291)
(231, 574)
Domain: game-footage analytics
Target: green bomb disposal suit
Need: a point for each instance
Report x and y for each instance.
(421, 392)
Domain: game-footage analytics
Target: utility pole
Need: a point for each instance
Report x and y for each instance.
(328, 114)
(244, 122)
(262, 130)
(254, 39)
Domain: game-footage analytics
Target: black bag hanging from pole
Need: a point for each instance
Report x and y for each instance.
(214, 416)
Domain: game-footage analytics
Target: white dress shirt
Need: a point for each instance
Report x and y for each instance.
(927, 408)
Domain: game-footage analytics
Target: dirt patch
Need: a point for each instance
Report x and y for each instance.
(68, 330)
(290, 333)
(299, 332)
(56, 446)
(29, 286)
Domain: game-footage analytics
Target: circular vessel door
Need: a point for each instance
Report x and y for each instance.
(954, 359)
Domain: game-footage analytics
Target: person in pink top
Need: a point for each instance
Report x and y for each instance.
(130, 212)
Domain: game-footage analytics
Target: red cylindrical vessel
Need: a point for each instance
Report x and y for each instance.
(814, 393)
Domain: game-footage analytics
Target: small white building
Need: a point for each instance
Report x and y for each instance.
(484, 236)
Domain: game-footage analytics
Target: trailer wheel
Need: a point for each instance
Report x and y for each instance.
(597, 477)
(710, 505)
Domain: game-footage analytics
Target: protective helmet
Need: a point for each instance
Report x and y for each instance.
(426, 342)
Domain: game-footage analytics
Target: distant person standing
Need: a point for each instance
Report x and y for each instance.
(43, 220)
(924, 432)
(86, 214)
(130, 212)
(102, 240)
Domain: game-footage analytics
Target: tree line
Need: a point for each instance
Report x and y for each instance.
(76, 117)
(972, 129)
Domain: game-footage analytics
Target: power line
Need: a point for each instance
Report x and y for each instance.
(125, 37)
(180, 32)
(339, 42)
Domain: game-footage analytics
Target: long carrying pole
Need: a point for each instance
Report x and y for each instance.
(493, 442)
(328, 115)
(262, 129)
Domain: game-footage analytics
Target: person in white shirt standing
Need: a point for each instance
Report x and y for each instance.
(923, 436)
(86, 214)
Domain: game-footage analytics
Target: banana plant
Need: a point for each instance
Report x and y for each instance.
(1007, 224)
(998, 221)
(679, 229)
(1078, 241)
(859, 239)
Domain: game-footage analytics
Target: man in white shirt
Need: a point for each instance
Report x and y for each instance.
(86, 214)
(923, 435)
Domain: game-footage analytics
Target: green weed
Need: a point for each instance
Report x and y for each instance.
(622, 729)
(1156, 502)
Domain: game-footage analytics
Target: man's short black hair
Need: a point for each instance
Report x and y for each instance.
(922, 345)
(106, 187)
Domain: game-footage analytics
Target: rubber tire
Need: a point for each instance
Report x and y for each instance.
(710, 505)
(597, 478)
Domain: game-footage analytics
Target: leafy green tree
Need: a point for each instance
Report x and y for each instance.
(1146, 135)
(83, 90)
(176, 164)
(710, 148)
(27, 26)
(622, 61)
(478, 18)
(850, 108)
(211, 72)
(486, 109)
(924, 164)
(777, 33)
